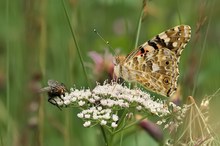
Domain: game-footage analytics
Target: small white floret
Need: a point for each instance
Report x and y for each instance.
(81, 103)
(114, 117)
(87, 124)
(114, 125)
(87, 116)
(73, 99)
(66, 102)
(103, 122)
(80, 115)
(139, 107)
(99, 108)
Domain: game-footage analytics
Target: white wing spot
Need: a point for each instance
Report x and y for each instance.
(175, 44)
(155, 67)
(163, 36)
(176, 29)
(167, 39)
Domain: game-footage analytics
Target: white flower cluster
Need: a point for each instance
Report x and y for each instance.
(176, 116)
(122, 97)
(103, 116)
(101, 104)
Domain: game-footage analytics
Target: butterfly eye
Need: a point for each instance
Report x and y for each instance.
(167, 62)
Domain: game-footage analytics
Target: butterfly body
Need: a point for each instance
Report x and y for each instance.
(155, 63)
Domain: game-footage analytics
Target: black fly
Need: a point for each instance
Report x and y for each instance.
(54, 90)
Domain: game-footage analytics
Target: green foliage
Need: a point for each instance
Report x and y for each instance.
(36, 45)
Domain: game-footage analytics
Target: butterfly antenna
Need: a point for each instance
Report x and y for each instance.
(106, 42)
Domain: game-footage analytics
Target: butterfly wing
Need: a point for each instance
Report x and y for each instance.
(155, 63)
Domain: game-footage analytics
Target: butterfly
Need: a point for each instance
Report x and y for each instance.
(154, 64)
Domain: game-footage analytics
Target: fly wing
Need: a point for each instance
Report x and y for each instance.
(53, 83)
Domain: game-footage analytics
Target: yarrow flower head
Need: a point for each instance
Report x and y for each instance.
(103, 104)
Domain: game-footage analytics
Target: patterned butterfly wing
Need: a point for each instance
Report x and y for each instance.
(155, 63)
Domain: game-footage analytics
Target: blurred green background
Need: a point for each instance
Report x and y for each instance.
(36, 45)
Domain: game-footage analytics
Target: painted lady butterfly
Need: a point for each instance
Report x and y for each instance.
(155, 63)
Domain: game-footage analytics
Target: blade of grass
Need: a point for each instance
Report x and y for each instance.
(77, 46)
(141, 18)
(7, 73)
(139, 27)
(178, 12)
(42, 62)
(203, 48)
(1, 140)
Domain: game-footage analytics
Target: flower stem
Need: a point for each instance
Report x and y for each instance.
(104, 135)
(108, 137)
(110, 140)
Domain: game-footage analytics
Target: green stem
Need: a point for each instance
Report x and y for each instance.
(128, 126)
(139, 28)
(121, 138)
(110, 140)
(104, 135)
(122, 118)
(7, 73)
(178, 12)
(108, 136)
(77, 46)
